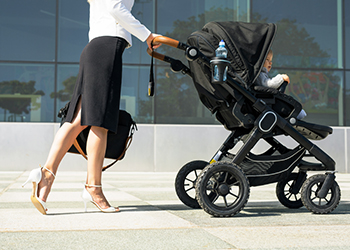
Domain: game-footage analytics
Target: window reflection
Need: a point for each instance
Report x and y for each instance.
(24, 92)
(73, 29)
(319, 92)
(67, 76)
(347, 99)
(27, 30)
(177, 100)
(305, 38)
(134, 97)
(308, 40)
(347, 33)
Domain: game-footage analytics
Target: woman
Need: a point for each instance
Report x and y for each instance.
(95, 100)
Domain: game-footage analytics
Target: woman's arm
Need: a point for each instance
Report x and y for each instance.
(124, 17)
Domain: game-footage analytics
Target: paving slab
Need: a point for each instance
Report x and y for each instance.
(152, 217)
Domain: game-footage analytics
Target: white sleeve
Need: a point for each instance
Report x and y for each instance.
(274, 82)
(124, 17)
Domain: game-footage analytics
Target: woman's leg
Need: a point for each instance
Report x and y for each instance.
(96, 149)
(64, 139)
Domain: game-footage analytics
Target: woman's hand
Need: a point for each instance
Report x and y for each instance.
(150, 39)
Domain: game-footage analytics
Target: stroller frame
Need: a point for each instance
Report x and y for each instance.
(223, 187)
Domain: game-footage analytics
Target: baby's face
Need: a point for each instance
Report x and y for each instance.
(268, 62)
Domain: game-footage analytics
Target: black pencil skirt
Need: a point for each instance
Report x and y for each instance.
(99, 83)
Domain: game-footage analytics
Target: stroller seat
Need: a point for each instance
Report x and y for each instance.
(284, 105)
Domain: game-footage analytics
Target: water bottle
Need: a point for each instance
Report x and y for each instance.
(220, 52)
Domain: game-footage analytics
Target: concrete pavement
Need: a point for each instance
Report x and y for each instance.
(152, 217)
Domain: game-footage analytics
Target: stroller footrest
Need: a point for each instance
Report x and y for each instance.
(313, 131)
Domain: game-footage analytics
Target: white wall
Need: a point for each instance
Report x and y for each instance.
(160, 148)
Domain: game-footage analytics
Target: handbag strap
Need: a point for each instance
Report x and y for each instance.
(127, 145)
(77, 146)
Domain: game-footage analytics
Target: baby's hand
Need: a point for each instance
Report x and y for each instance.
(285, 78)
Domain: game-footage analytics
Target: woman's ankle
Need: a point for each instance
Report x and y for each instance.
(44, 186)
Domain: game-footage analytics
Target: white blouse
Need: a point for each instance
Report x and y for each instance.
(114, 18)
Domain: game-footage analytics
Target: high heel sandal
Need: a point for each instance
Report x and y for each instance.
(86, 196)
(35, 177)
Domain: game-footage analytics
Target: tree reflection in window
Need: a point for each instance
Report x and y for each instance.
(18, 97)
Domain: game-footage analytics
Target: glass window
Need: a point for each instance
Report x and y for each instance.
(347, 33)
(27, 30)
(307, 36)
(134, 96)
(73, 29)
(66, 79)
(25, 92)
(143, 10)
(177, 100)
(347, 99)
(319, 92)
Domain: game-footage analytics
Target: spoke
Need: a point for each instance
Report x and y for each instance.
(225, 180)
(290, 195)
(236, 196)
(326, 199)
(233, 184)
(195, 172)
(313, 198)
(296, 197)
(225, 201)
(189, 180)
(216, 198)
(189, 189)
(319, 202)
(186, 184)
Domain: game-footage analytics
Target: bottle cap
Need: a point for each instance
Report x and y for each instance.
(222, 43)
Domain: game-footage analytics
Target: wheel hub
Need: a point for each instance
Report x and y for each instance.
(223, 189)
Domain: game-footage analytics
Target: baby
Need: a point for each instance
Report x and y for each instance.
(264, 79)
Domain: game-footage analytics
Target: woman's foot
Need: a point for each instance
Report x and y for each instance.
(35, 177)
(94, 194)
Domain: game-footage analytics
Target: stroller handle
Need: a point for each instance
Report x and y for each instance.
(168, 41)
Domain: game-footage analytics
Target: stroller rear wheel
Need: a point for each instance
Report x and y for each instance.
(229, 185)
(285, 193)
(310, 199)
(186, 180)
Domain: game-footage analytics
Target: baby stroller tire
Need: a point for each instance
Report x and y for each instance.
(284, 192)
(229, 185)
(186, 180)
(315, 204)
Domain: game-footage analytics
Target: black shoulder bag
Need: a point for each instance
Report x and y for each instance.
(117, 144)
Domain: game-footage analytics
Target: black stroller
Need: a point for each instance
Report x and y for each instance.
(222, 185)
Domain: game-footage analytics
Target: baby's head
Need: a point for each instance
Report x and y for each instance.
(268, 61)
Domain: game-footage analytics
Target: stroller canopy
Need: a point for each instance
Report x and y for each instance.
(247, 45)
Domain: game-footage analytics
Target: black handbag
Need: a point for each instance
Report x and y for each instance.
(117, 144)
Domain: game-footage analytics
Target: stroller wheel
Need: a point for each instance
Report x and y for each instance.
(285, 194)
(229, 185)
(186, 180)
(310, 199)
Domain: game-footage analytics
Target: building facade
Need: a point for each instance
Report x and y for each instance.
(41, 42)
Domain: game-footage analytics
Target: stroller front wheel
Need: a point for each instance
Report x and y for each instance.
(310, 199)
(229, 186)
(186, 180)
(285, 194)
